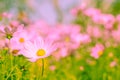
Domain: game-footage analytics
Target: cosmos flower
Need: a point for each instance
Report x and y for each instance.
(67, 39)
(116, 34)
(37, 49)
(18, 40)
(97, 51)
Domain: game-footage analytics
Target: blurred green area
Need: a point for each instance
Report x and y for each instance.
(8, 5)
(73, 67)
(67, 68)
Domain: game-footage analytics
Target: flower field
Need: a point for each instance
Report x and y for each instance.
(86, 48)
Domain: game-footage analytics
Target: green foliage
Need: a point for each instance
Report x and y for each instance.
(68, 68)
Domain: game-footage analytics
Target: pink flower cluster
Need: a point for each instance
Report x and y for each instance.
(102, 27)
(38, 39)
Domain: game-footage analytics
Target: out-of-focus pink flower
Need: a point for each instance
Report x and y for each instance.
(39, 27)
(67, 39)
(6, 32)
(83, 38)
(113, 64)
(108, 20)
(74, 11)
(2, 43)
(92, 12)
(14, 23)
(97, 51)
(94, 31)
(116, 34)
(96, 19)
(118, 18)
(52, 67)
(7, 15)
(37, 49)
(19, 38)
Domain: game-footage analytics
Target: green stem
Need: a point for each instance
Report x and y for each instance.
(10, 72)
(42, 67)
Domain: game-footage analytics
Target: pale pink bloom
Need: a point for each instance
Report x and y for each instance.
(74, 11)
(107, 34)
(39, 27)
(19, 38)
(97, 51)
(97, 19)
(14, 23)
(2, 43)
(37, 49)
(6, 32)
(2, 32)
(116, 34)
(92, 12)
(82, 6)
(113, 64)
(94, 31)
(67, 39)
(7, 15)
(52, 67)
(83, 38)
(3, 37)
(108, 20)
(118, 18)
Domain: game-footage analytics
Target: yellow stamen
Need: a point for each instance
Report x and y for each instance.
(67, 39)
(15, 51)
(21, 40)
(40, 52)
(100, 53)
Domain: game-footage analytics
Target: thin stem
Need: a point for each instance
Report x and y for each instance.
(10, 72)
(42, 67)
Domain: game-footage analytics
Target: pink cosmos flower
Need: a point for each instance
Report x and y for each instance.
(113, 64)
(108, 20)
(52, 67)
(116, 34)
(77, 9)
(19, 38)
(37, 49)
(94, 31)
(118, 18)
(97, 51)
(39, 27)
(2, 43)
(14, 23)
(7, 15)
(66, 37)
(91, 12)
(5, 34)
(83, 38)
(74, 11)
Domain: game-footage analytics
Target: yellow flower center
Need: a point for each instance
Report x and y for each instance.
(40, 52)
(100, 53)
(67, 39)
(21, 40)
(15, 51)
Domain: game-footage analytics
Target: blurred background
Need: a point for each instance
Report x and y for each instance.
(95, 23)
(55, 10)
